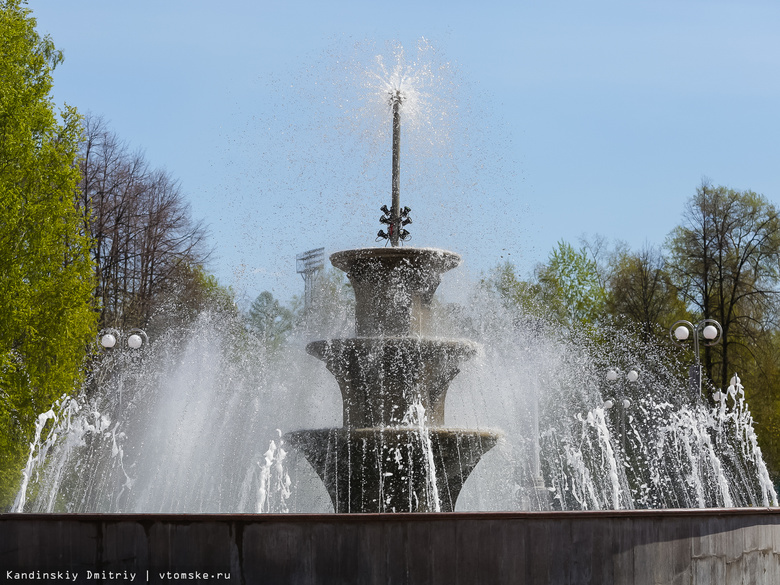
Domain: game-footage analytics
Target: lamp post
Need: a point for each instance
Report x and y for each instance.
(707, 330)
(133, 339)
(623, 402)
(113, 340)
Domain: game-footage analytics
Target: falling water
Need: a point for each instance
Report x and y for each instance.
(416, 418)
(193, 423)
(201, 413)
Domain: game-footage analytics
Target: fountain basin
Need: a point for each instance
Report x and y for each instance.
(393, 469)
(637, 547)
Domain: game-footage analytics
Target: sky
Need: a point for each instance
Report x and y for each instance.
(533, 122)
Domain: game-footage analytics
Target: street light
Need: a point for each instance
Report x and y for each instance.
(133, 339)
(624, 403)
(710, 331)
(108, 338)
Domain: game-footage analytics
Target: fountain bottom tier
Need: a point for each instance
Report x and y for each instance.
(393, 469)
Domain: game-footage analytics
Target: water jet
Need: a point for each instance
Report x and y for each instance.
(394, 452)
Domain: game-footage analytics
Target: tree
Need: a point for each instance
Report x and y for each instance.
(762, 382)
(46, 317)
(144, 240)
(520, 297)
(189, 292)
(332, 310)
(640, 288)
(270, 320)
(571, 284)
(568, 288)
(725, 258)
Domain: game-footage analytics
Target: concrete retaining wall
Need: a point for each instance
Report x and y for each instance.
(635, 547)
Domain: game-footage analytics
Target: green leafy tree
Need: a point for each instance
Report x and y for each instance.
(571, 284)
(725, 258)
(568, 288)
(46, 318)
(515, 293)
(270, 320)
(762, 383)
(640, 290)
(187, 292)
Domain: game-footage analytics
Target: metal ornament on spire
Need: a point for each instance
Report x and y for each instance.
(396, 218)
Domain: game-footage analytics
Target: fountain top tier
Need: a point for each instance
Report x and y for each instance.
(394, 287)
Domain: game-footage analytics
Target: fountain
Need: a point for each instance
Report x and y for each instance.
(208, 390)
(395, 453)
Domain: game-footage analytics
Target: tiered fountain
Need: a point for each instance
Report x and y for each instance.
(393, 453)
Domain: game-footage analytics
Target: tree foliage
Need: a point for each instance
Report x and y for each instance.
(332, 311)
(514, 292)
(571, 284)
(270, 320)
(722, 262)
(145, 244)
(726, 256)
(190, 291)
(46, 318)
(640, 290)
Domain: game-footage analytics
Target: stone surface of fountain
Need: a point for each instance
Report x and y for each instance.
(393, 453)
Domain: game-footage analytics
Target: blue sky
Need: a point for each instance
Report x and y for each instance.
(551, 120)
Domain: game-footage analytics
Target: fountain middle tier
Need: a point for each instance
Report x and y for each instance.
(384, 379)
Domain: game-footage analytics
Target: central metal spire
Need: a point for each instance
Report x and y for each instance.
(395, 211)
(396, 218)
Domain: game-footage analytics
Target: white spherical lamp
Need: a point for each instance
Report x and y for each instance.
(108, 341)
(134, 341)
(682, 333)
(710, 332)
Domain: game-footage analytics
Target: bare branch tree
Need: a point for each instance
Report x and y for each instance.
(141, 227)
(725, 257)
(641, 289)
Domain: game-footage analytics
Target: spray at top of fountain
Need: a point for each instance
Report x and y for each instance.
(402, 89)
